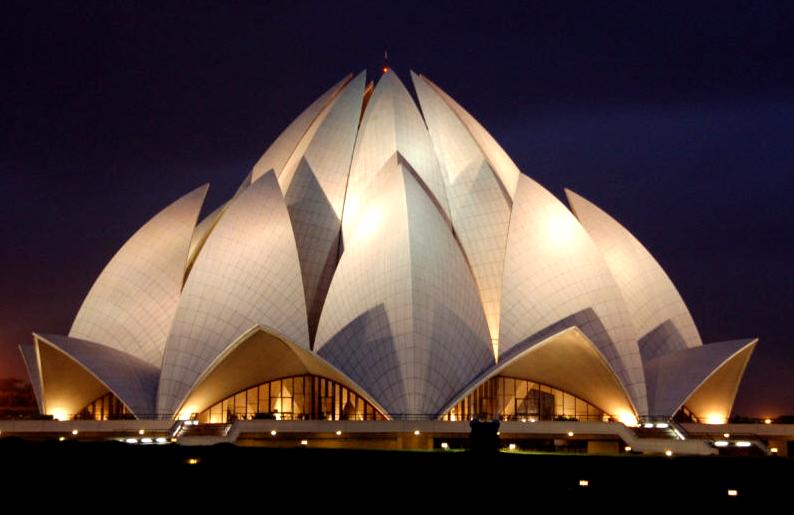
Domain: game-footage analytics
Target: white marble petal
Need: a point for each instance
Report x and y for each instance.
(314, 181)
(402, 317)
(501, 163)
(276, 156)
(247, 274)
(651, 297)
(391, 124)
(132, 303)
(478, 206)
(555, 277)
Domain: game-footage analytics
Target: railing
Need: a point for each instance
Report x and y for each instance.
(286, 416)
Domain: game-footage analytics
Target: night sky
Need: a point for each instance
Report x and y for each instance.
(678, 120)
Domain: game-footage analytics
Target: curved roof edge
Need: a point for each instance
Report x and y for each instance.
(132, 380)
(259, 355)
(479, 206)
(202, 232)
(279, 152)
(704, 378)
(650, 294)
(247, 273)
(30, 357)
(132, 302)
(570, 361)
(391, 123)
(501, 163)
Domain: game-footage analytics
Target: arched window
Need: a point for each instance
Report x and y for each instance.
(303, 397)
(510, 398)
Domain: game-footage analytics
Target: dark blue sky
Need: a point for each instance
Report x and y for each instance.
(676, 119)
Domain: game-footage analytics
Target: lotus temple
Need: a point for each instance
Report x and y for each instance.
(385, 270)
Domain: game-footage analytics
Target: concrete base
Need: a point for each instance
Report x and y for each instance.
(603, 447)
(591, 437)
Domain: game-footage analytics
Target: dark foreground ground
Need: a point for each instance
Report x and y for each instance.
(98, 475)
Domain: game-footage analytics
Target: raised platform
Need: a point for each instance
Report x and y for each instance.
(593, 437)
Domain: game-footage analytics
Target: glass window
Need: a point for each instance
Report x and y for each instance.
(512, 398)
(299, 397)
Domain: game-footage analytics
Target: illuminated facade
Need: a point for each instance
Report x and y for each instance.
(384, 260)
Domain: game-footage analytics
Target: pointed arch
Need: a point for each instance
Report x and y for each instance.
(571, 362)
(704, 378)
(257, 356)
(75, 372)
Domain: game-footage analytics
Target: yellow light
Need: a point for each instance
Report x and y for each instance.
(716, 419)
(273, 432)
(186, 413)
(74, 432)
(385, 69)
(570, 433)
(304, 442)
(338, 432)
(733, 493)
(141, 432)
(767, 421)
(61, 439)
(498, 433)
(627, 448)
(773, 450)
(416, 432)
(59, 414)
(668, 453)
(584, 482)
(192, 461)
(512, 447)
(444, 445)
(532, 420)
(627, 419)
(726, 435)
